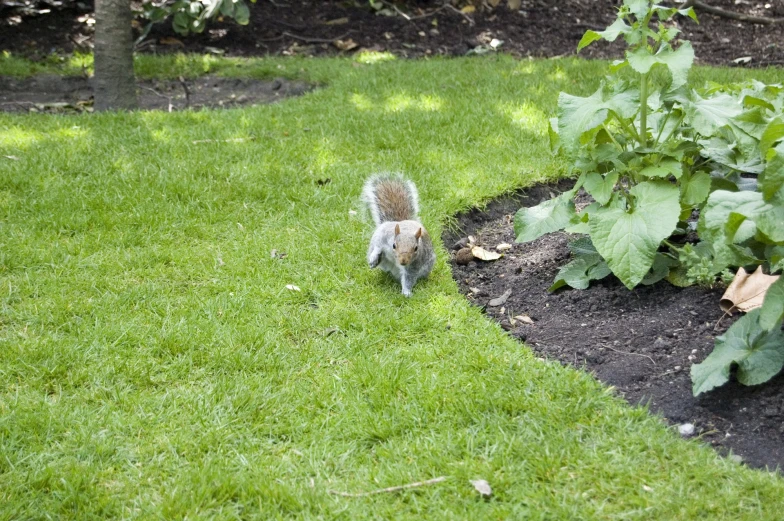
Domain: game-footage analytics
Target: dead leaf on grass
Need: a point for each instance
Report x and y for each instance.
(499, 301)
(12, 158)
(483, 487)
(747, 291)
(482, 254)
(292, 287)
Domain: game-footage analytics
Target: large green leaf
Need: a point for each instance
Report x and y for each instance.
(628, 238)
(710, 114)
(752, 122)
(678, 61)
(638, 8)
(664, 168)
(771, 181)
(549, 216)
(759, 355)
(695, 188)
(601, 187)
(772, 311)
(772, 133)
(577, 115)
(610, 34)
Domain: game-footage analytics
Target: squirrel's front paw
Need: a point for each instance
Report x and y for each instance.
(374, 261)
(406, 292)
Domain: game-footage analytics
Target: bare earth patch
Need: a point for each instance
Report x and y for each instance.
(68, 94)
(642, 342)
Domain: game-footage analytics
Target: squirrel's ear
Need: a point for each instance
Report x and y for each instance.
(397, 229)
(418, 233)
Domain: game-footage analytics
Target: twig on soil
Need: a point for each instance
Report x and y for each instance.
(461, 13)
(699, 4)
(308, 39)
(158, 94)
(417, 17)
(389, 489)
(627, 353)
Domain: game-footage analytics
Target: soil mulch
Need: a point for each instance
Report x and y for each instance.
(643, 342)
(58, 94)
(542, 28)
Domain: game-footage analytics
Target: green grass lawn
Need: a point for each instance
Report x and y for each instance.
(153, 364)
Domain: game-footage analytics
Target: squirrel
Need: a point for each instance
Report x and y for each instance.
(400, 245)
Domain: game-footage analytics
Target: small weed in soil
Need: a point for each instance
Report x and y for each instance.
(643, 342)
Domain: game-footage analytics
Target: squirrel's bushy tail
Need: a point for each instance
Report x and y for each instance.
(391, 198)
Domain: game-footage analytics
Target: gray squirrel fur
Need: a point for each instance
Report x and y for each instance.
(400, 245)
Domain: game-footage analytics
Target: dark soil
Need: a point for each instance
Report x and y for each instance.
(643, 342)
(311, 27)
(57, 94)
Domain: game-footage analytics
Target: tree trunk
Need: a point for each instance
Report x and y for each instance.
(114, 81)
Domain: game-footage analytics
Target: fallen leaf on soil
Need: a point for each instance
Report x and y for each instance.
(292, 287)
(482, 254)
(471, 240)
(468, 9)
(524, 318)
(514, 5)
(499, 301)
(503, 247)
(345, 45)
(168, 40)
(483, 487)
(337, 21)
(746, 292)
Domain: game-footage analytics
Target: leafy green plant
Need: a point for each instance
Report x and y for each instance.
(661, 161)
(755, 344)
(191, 16)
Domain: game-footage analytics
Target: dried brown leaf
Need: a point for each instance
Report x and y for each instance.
(337, 21)
(482, 254)
(345, 45)
(747, 291)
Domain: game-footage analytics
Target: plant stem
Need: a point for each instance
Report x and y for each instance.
(612, 137)
(644, 110)
(628, 128)
(664, 124)
(672, 132)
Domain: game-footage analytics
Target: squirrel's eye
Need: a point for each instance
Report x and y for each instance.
(394, 246)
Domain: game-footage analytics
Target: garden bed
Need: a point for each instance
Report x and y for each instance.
(49, 93)
(642, 342)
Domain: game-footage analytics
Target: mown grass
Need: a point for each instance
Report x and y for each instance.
(154, 365)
